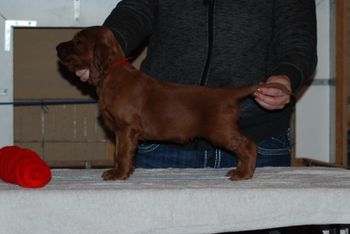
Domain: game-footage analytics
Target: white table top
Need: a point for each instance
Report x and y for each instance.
(177, 201)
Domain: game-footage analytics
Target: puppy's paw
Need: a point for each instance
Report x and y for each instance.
(236, 175)
(114, 174)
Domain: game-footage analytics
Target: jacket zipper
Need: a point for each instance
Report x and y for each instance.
(204, 77)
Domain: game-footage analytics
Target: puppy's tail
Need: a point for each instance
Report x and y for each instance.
(243, 92)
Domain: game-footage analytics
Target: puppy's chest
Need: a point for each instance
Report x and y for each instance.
(116, 113)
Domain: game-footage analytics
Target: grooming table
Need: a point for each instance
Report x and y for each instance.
(177, 201)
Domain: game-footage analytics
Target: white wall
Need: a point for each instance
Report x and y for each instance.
(315, 113)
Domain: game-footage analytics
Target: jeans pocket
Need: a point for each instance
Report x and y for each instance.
(147, 147)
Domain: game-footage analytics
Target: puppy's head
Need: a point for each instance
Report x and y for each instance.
(90, 53)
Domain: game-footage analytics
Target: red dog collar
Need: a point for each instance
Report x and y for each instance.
(121, 62)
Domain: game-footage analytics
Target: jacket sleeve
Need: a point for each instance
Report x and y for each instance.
(294, 41)
(132, 22)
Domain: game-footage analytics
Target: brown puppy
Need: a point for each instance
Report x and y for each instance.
(138, 107)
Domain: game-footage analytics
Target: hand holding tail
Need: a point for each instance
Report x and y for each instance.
(275, 94)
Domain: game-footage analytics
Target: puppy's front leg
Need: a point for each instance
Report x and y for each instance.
(126, 143)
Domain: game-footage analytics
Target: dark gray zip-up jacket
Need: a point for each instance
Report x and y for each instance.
(223, 43)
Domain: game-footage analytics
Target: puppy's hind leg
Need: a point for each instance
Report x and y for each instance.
(246, 152)
(244, 148)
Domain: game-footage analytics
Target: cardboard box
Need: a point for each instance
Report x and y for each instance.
(69, 135)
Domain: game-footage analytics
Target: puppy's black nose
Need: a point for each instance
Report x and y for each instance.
(63, 49)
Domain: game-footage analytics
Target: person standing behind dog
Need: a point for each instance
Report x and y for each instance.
(221, 43)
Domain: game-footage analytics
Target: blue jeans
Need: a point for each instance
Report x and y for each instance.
(274, 151)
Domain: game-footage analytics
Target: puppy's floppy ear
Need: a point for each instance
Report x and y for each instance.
(106, 51)
(100, 62)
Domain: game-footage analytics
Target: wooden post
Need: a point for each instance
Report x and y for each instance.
(342, 75)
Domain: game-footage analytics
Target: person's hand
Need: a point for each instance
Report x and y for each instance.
(274, 98)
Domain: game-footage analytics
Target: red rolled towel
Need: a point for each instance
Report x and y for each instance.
(23, 167)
